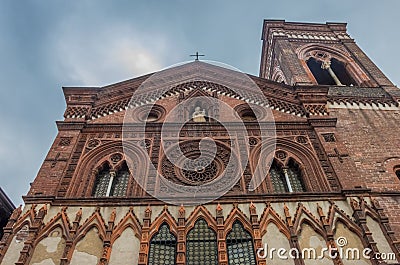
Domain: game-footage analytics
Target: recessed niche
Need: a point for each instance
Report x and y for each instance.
(149, 113)
(249, 113)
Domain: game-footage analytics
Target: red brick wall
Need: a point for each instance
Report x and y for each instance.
(54, 166)
(371, 138)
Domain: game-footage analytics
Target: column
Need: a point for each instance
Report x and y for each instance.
(112, 176)
(288, 184)
(327, 66)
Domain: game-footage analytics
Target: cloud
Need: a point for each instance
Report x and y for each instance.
(107, 55)
(134, 57)
(19, 154)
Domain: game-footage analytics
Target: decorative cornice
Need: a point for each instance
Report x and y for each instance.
(255, 198)
(70, 125)
(322, 122)
(273, 98)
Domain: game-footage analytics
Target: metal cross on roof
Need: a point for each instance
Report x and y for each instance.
(197, 55)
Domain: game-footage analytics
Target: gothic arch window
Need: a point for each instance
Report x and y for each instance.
(239, 244)
(110, 182)
(329, 71)
(201, 245)
(162, 247)
(341, 72)
(286, 178)
(321, 76)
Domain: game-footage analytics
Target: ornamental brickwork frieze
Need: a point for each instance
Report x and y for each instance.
(77, 112)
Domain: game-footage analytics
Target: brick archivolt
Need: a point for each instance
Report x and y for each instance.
(309, 50)
(392, 164)
(90, 163)
(278, 75)
(110, 222)
(312, 173)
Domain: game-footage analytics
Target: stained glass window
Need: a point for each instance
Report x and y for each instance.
(102, 182)
(201, 245)
(118, 182)
(240, 247)
(286, 179)
(162, 247)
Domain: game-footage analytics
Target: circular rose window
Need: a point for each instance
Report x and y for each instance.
(194, 167)
(200, 170)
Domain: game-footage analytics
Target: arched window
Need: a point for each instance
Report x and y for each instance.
(330, 72)
(341, 72)
(102, 182)
(322, 76)
(111, 183)
(162, 247)
(201, 245)
(397, 171)
(286, 179)
(240, 247)
(120, 183)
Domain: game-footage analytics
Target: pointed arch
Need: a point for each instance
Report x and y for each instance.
(308, 51)
(286, 177)
(276, 219)
(202, 226)
(93, 236)
(386, 242)
(278, 75)
(200, 98)
(236, 215)
(261, 158)
(95, 220)
(162, 246)
(164, 218)
(58, 221)
(201, 244)
(240, 245)
(129, 220)
(200, 212)
(25, 219)
(52, 237)
(336, 215)
(19, 229)
(302, 216)
(120, 182)
(102, 180)
(85, 174)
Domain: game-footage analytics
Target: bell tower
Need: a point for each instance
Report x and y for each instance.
(316, 54)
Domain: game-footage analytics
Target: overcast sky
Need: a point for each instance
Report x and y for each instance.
(45, 45)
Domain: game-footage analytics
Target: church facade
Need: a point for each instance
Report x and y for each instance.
(202, 164)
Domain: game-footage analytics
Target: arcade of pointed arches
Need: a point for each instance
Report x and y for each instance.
(105, 173)
(233, 238)
(294, 168)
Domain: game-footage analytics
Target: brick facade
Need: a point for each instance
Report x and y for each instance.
(340, 140)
